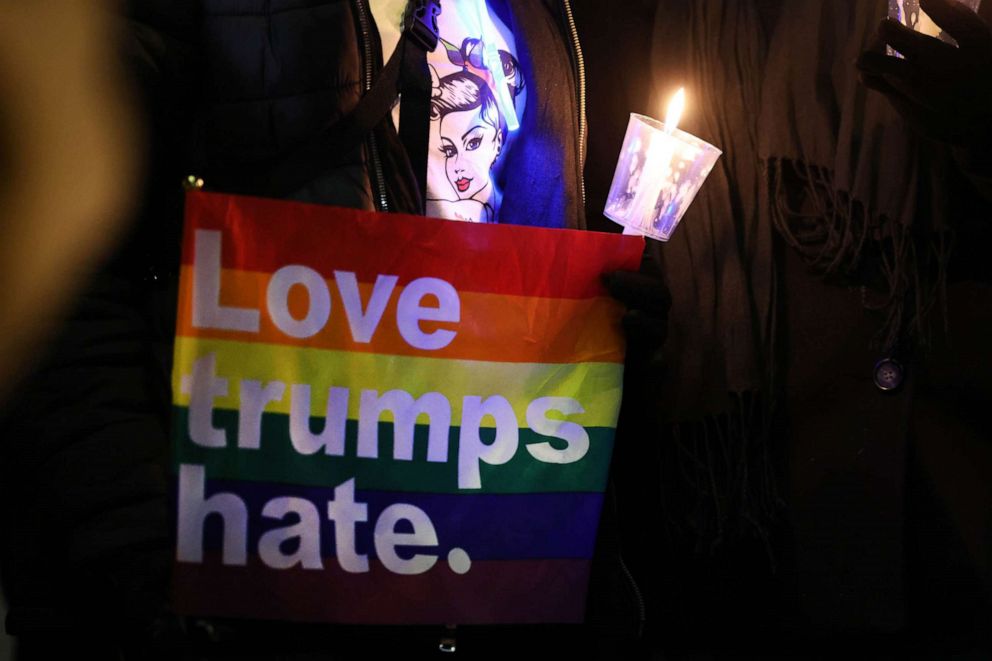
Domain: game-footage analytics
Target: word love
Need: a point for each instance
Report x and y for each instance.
(411, 307)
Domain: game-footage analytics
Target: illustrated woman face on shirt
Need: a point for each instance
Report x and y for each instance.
(471, 133)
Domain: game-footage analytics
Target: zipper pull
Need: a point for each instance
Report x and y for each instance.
(448, 644)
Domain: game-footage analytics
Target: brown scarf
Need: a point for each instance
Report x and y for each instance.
(810, 155)
(718, 389)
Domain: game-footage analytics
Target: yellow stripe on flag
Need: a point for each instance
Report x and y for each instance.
(596, 386)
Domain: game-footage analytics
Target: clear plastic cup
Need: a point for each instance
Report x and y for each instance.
(909, 13)
(657, 177)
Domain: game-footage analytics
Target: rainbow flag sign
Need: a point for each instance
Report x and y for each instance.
(390, 419)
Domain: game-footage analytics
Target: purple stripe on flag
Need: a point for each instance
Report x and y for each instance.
(487, 526)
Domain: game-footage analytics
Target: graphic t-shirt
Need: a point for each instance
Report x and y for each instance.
(478, 99)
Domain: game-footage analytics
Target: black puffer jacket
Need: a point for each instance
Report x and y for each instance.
(279, 72)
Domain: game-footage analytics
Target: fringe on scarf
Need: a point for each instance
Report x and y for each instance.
(837, 237)
(720, 478)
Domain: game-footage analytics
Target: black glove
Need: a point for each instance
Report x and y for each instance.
(942, 91)
(646, 321)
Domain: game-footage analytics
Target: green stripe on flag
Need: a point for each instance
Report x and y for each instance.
(277, 460)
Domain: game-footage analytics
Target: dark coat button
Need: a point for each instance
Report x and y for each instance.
(888, 375)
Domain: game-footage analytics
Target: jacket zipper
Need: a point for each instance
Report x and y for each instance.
(372, 147)
(580, 76)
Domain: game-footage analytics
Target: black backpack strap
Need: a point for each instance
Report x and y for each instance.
(421, 37)
(406, 72)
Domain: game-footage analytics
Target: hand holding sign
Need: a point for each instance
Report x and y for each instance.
(645, 323)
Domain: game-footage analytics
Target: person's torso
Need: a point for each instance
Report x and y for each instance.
(277, 77)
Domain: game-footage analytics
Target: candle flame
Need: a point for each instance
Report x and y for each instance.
(675, 108)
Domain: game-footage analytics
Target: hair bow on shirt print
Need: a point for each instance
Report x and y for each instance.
(470, 57)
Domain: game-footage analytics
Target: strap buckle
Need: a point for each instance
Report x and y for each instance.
(448, 644)
(421, 23)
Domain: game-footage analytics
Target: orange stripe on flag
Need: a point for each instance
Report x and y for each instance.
(265, 235)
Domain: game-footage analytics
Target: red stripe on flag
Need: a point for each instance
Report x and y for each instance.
(261, 234)
(492, 592)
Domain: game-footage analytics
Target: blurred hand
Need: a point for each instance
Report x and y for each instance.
(942, 91)
(67, 151)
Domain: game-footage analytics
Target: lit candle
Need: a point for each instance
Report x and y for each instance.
(659, 172)
(658, 163)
